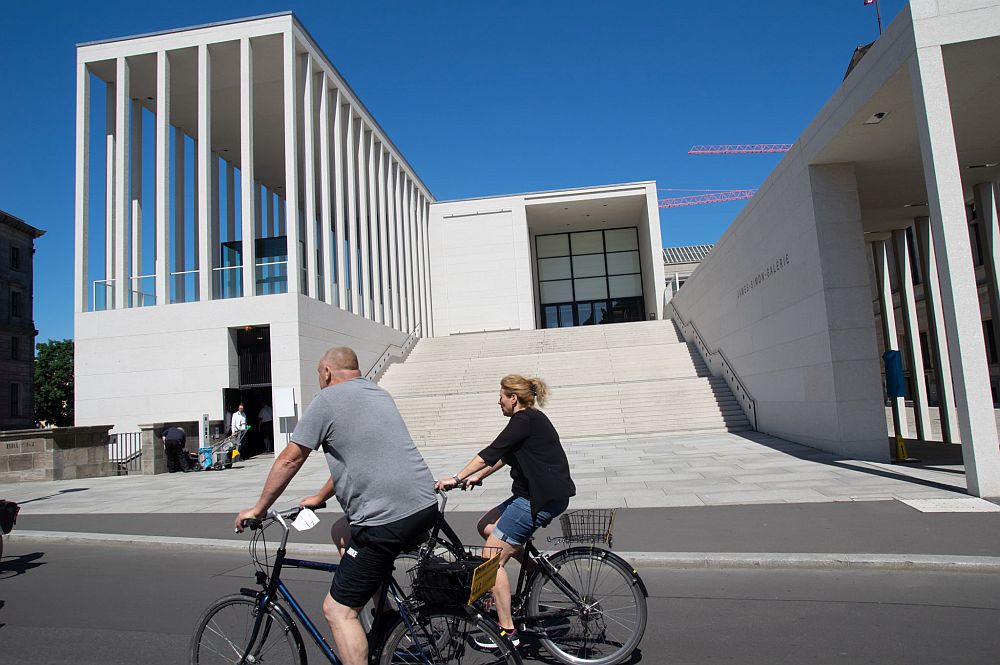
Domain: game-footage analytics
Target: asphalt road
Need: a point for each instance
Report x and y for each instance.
(85, 605)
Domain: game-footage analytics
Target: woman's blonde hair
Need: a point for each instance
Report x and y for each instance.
(529, 391)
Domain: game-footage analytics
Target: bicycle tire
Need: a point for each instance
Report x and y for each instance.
(224, 630)
(605, 634)
(447, 636)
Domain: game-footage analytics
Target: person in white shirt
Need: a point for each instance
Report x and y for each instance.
(239, 421)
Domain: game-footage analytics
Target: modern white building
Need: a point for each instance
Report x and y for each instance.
(239, 211)
(892, 169)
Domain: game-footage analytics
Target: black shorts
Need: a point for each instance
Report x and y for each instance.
(371, 553)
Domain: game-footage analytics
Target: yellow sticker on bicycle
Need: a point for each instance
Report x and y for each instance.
(484, 577)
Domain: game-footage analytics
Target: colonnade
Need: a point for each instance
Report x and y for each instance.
(351, 213)
(911, 315)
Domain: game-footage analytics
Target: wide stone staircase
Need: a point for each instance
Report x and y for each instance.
(611, 380)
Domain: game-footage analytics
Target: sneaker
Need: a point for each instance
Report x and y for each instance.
(484, 642)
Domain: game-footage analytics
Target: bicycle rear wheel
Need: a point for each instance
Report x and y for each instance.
(447, 636)
(224, 630)
(605, 627)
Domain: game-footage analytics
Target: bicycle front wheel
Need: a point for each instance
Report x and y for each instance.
(223, 635)
(604, 626)
(447, 636)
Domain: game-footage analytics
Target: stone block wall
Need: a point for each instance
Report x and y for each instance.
(63, 453)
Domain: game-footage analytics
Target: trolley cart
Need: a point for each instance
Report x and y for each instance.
(221, 455)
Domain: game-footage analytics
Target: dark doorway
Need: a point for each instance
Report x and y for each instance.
(253, 348)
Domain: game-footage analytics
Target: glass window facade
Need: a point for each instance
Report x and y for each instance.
(589, 277)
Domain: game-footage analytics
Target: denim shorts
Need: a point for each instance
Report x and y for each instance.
(516, 524)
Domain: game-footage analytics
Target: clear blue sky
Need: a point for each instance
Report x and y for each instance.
(482, 98)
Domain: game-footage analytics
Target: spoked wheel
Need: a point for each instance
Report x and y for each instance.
(607, 624)
(224, 631)
(447, 636)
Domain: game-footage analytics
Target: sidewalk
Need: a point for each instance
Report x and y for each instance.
(687, 500)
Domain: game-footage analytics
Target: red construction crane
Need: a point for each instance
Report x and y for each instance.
(712, 196)
(739, 149)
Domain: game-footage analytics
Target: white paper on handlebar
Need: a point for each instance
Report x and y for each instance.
(306, 520)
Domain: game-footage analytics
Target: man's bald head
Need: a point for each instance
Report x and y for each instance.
(340, 357)
(337, 365)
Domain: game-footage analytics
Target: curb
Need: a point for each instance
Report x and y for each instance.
(665, 560)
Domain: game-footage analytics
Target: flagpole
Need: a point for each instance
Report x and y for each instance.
(878, 16)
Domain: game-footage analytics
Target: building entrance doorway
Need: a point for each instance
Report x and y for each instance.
(589, 277)
(253, 349)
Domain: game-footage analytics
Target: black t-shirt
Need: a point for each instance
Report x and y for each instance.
(529, 444)
(174, 435)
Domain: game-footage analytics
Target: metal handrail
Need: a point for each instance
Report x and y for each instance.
(404, 351)
(731, 376)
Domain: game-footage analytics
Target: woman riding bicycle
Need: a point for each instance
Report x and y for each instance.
(541, 486)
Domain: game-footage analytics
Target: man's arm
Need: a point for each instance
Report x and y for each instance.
(285, 467)
(320, 497)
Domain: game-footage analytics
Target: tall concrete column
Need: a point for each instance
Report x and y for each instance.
(109, 194)
(206, 244)
(121, 181)
(411, 318)
(162, 178)
(329, 297)
(338, 192)
(350, 150)
(309, 161)
(914, 357)
(392, 196)
(427, 253)
(936, 336)
(248, 190)
(959, 296)
(384, 237)
(81, 204)
(376, 240)
(421, 267)
(888, 315)
(986, 211)
(135, 285)
(363, 221)
(180, 241)
(291, 199)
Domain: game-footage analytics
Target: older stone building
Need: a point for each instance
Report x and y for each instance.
(17, 326)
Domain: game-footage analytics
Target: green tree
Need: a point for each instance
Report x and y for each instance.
(54, 382)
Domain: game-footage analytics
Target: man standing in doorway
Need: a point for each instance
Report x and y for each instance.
(239, 420)
(382, 483)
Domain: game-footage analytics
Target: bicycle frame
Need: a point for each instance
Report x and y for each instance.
(273, 590)
(543, 567)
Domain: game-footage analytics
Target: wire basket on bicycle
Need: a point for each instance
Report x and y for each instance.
(591, 526)
(449, 581)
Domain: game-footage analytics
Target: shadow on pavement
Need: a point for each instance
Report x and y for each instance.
(804, 452)
(12, 566)
(50, 496)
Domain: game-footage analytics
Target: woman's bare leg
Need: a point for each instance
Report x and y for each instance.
(501, 590)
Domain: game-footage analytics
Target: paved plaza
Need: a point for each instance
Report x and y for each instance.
(631, 472)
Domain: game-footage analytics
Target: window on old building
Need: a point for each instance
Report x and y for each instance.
(15, 257)
(15, 399)
(16, 305)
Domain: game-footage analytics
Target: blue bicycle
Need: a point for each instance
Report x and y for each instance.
(261, 625)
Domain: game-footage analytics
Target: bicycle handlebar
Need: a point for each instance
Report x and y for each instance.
(290, 513)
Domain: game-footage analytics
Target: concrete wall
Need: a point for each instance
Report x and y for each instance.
(162, 364)
(65, 453)
(785, 295)
(481, 275)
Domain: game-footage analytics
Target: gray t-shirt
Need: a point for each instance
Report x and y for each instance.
(378, 474)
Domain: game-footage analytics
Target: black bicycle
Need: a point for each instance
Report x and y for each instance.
(585, 604)
(261, 625)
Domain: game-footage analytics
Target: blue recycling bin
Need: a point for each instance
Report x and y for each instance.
(205, 457)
